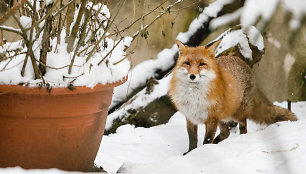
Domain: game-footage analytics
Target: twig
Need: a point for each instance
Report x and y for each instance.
(24, 65)
(6, 65)
(63, 8)
(45, 17)
(110, 51)
(29, 45)
(10, 29)
(59, 30)
(46, 40)
(74, 76)
(82, 37)
(11, 67)
(69, 19)
(50, 67)
(76, 27)
(100, 25)
(11, 11)
(30, 5)
(157, 17)
(128, 27)
(105, 31)
(281, 151)
(120, 60)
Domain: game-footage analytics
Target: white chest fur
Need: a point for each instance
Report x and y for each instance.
(191, 100)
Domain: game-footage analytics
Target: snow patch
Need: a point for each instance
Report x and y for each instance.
(49, 2)
(288, 62)
(253, 9)
(25, 21)
(298, 9)
(275, 42)
(225, 19)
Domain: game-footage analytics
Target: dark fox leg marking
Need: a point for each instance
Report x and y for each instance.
(192, 134)
(211, 127)
(243, 126)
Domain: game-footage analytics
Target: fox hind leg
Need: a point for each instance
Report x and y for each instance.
(224, 132)
(243, 126)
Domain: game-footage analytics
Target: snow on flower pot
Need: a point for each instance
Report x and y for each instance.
(59, 128)
(53, 105)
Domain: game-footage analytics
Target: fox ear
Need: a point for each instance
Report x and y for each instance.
(213, 47)
(180, 46)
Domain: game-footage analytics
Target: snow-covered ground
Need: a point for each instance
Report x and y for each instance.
(278, 148)
(274, 149)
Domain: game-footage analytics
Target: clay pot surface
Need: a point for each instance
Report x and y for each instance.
(58, 129)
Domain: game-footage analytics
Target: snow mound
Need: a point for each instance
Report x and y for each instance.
(276, 149)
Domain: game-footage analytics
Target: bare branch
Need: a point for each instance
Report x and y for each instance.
(11, 11)
(82, 37)
(76, 27)
(46, 40)
(24, 65)
(128, 27)
(110, 51)
(10, 29)
(63, 8)
(105, 31)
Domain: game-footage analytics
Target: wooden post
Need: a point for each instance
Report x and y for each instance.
(289, 104)
(1, 38)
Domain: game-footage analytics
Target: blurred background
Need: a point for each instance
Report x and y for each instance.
(281, 74)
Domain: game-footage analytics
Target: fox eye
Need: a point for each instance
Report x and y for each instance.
(202, 64)
(187, 63)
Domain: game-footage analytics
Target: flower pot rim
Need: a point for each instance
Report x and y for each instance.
(57, 90)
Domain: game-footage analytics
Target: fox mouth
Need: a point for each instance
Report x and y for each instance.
(193, 82)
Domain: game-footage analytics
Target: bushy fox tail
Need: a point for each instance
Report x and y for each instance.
(265, 112)
(281, 114)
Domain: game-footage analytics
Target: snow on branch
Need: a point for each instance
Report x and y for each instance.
(209, 12)
(260, 12)
(242, 40)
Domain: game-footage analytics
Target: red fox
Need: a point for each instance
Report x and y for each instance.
(216, 91)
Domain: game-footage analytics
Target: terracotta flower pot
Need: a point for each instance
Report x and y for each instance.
(61, 129)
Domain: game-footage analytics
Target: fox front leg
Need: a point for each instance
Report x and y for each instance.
(211, 127)
(192, 130)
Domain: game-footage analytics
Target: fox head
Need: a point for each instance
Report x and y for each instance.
(197, 64)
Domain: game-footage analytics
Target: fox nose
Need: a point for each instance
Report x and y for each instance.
(192, 76)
